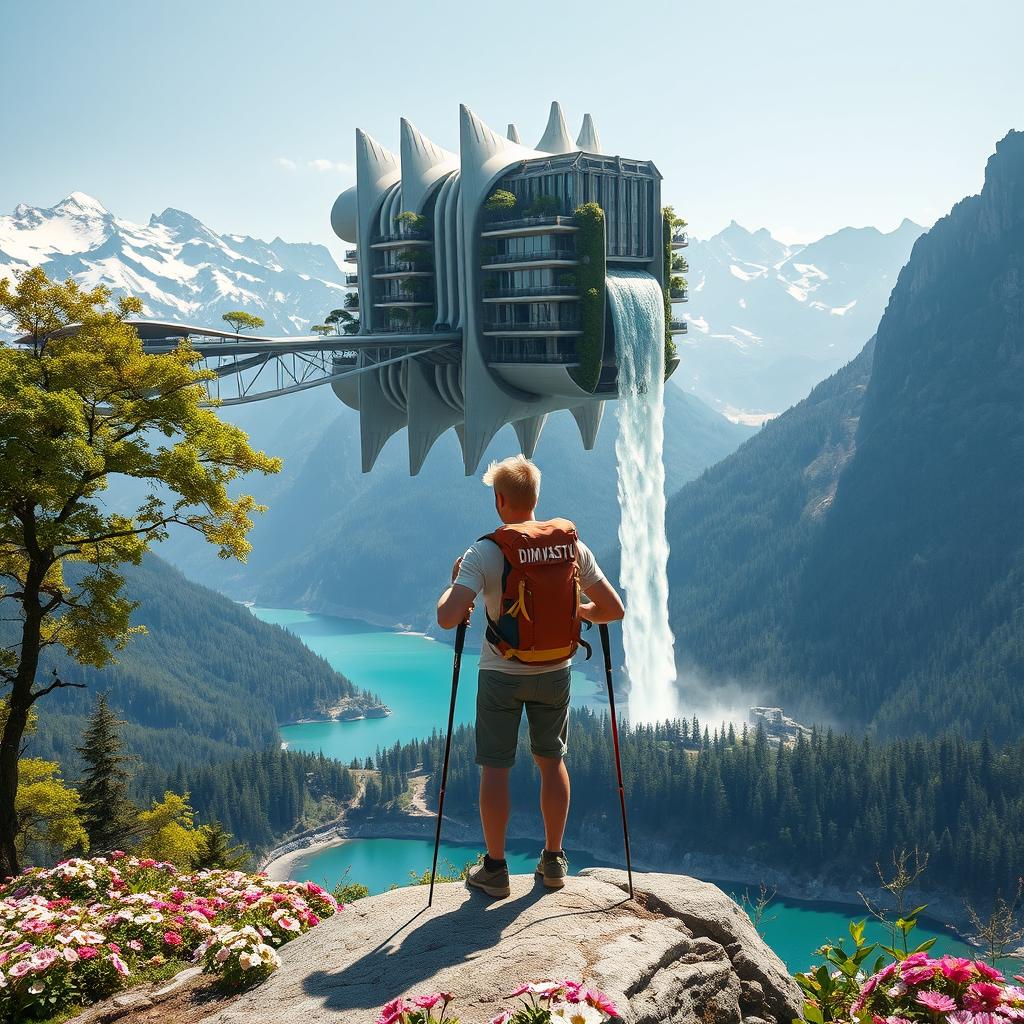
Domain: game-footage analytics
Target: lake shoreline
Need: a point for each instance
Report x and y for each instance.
(946, 911)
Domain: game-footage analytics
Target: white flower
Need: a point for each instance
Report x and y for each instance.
(576, 1013)
(245, 961)
(36, 987)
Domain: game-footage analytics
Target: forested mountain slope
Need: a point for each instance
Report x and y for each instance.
(207, 681)
(863, 556)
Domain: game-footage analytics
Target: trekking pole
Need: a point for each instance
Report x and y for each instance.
(606, 645)
(460, 640)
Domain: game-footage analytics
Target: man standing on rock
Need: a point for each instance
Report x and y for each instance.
(539, 582)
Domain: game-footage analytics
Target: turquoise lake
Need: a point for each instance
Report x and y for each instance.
(412, 675)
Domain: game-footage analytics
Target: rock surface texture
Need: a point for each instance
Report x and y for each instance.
(682, 951)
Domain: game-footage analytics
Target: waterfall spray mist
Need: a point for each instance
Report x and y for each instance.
(638, 312)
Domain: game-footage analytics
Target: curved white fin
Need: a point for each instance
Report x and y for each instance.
(423, 164)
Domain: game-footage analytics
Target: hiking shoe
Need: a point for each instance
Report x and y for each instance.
(553, 867)
(494, 883)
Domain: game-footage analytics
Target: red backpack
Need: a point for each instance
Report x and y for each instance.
(539, 618)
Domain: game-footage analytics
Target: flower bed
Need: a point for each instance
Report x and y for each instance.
(911, 988)
(75, 933)
(544, 1002)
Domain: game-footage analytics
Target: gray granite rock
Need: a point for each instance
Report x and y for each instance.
(682, 951)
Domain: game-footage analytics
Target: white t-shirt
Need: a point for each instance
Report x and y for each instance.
(481, 569)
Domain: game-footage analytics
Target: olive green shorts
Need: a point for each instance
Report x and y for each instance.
(500, 699)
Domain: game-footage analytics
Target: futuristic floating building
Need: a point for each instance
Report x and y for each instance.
(480, 286)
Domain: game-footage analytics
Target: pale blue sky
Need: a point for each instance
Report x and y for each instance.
(799, 117)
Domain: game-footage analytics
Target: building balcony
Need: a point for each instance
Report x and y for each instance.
(388, 271)
(677, 326)
(679, 294)
(351, 255)
(405, 238)
(540, 258)
(402, 302)
(402, 329)
(679, 240)
(533, 293)
(534, 329)
(521, 358)
(550, 225)
(352, 280)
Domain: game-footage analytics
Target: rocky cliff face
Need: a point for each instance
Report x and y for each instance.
(682, 951)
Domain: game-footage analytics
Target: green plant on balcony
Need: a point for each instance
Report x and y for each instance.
(411, 224)
(566, 277)
(424, 318)
(677, 284)
(679, 264)
(417, 287)
(398, 317)
(488, 250)
(544, 206)
(669, 222)
(421, 259)
(352, 300)
(500, 205)
(590, 250)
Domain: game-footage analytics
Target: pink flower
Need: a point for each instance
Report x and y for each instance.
(955, 968)
(521, 991)
(982, 996)
(986, 971)
(960, 1017)
(172, 938)
(429, 1001)
(502, 1018)
(601, 1002)
(390, 1012)
(113, 947)
(937, 1002)
(87, 952)
(917, 975)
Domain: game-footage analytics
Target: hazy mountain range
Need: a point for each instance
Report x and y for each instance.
(181, 269)
(768, 321)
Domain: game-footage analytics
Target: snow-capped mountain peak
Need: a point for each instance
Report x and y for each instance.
(179, 267)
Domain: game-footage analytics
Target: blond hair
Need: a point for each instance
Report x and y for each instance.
(517, 478)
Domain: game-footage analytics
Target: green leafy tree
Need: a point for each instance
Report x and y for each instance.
(342, 321)
(47, 809)
(242, 321)
(109, 816)
(76, 407)
(169, 832)
(500, 205)
(218, 849)
(322, 329)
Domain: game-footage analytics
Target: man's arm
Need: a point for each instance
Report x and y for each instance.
(603, 604)
(456, 604)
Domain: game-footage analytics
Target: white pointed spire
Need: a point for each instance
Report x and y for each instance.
(423, 163)
(513, 133)
(484, 152)
(589, 141)
(556, 138)
(373, 161)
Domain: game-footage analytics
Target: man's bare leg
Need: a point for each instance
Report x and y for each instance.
(495, 806)
(554, 800)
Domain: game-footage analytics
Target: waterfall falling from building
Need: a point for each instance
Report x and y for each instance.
(638, 312)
